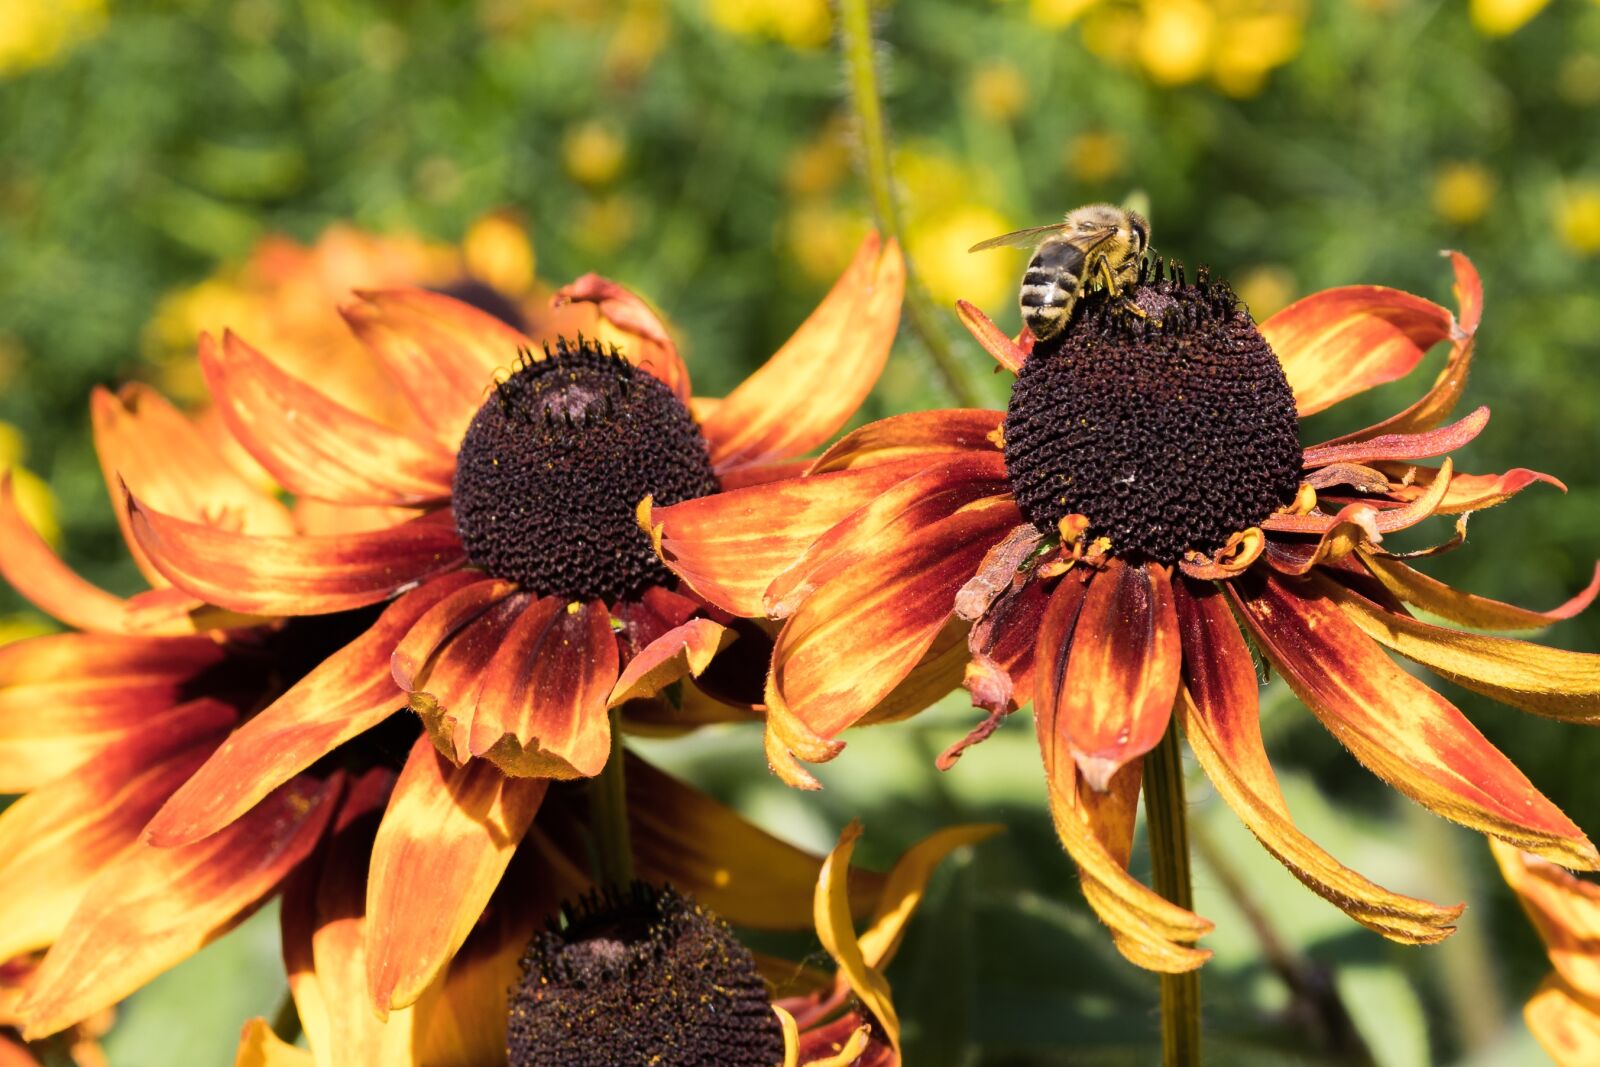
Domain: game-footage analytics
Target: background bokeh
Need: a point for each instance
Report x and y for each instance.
(702, 152)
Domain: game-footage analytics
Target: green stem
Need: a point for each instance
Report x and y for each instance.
(608, 811)
(860, 64)
(1167, 815)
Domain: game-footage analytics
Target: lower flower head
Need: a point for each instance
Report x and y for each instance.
(554, 463)
(1170, 432)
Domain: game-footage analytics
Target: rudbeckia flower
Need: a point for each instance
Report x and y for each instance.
(1113, 544)
(647, 974)
(1564, 1013)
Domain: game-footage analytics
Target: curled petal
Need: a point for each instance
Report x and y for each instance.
(930, 434)
(1391, 447)
(295, 575)
(154, 907)
(684, 650)
(1350, 475)
(1564, 909)
(814, 383)
(313, 445)
(634, 328)
(1546, 681)
(447, 695)
(836, 930)
(1401, 730)
(1220, 716)
(1340, 342)
(788, 739)
(1005, 351)
(1566, 1022)
(440, 850)
(1480, 613)
(463, 600)
(260, 1047)
(1466, 492)
(907, 883)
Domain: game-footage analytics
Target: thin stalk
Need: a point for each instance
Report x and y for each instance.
(1168, 815)
(855, 38)
(608, 812)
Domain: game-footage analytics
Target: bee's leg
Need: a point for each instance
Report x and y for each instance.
(1108, 277)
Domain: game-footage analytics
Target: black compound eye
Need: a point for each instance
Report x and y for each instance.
(1141, 234)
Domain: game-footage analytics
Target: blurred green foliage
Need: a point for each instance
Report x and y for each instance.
(705, 161)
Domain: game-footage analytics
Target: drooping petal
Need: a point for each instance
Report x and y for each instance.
(1340, 342)
(445, 694)
(1466, 492)
(1398, 446)
(814, 383)
(295, 575)
(685, 650)
(728, 547)
(55, 840)
(154, 907)
(347, 694)
(1566, 1023)
(1005, 351)
(1401, 730)
(930, 434)
(836, 930)
(1546, 681)
(629, 323)
(1220, 716)
(441, 352)
(469, 597)
(853, 640)
(906, 885)
(313, 445)
(1564, 909)
(444, 842)
(1467, 609)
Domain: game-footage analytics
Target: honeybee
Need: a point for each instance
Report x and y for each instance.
(1098, 246)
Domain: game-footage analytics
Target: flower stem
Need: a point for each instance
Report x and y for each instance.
(855, 39)
(1167, 815)
(608, 815)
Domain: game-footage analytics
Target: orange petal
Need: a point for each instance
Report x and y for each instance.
(1221, 721)
(814, 383)
(683, 650)
(928, 434)
(295, 575)
(260, 1047)
(444, 842)
(154, 907)
(634, 328)
(1480, 613)
(1564, 909)
(446, 694)
(467, 600)
(730, 546)
(1546, 681)
(64, 698)
(1401, 730)
(151, 446)
(348, 693)
(836, 930)
(1110, 699)
(775, 470)
(1340, 342)
(1466, 492)
(441, 352)
(1005, 351)
(1400, 446)
(853, 640)
(313, 445)
(57, 838)
(1565, 1022)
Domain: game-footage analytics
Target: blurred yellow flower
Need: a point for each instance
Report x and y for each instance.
(1175, 40)
(796, 23)
(592, 152)
(1056, 13)
(497, 251)
(34, 32)
(938, 246)
(1578, 216)
(34, 498)
(821, 237)
(1096, 156)
(820, 164)
(1496, 18)
(1462, 192)
(998, 91)
(1266, 288)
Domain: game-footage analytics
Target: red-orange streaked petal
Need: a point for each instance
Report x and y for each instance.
(1466, 492)
(466, 600)
(1364, 523)
(730, 546)
(444, 842)
(1005, 351)
(1566, 1023)
(1547, 681)
(57, 838)
(446, 695)
(313, 445)
(1114, 699)
(145, 442)
(1340, 342)
(33, 569)
(685, 650)
(348, 693)
(296, 575)
(1401, 730)
(441, 352)
(853, 640)
(877, 528)
(776, 470)
(154, 907)
(542, 711)
(1564, 909)
(1467, 609)
(814, 383)
(1401, 446)
(930, 434)
(633, 326)
(65, 697)
(1220, 715)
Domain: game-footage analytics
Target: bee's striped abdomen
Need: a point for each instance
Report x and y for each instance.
(1050, 287)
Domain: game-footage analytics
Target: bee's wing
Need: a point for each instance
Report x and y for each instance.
(1019, 238)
